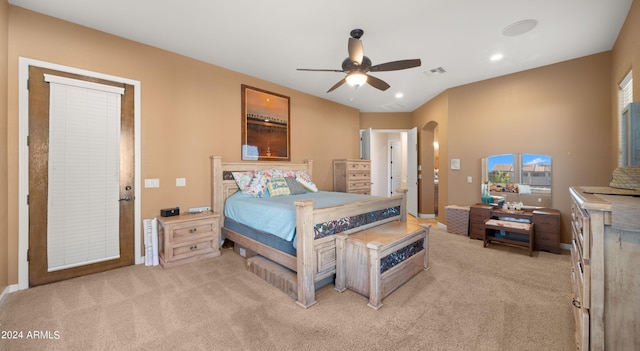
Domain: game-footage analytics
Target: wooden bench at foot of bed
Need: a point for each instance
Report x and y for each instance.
(377, 261)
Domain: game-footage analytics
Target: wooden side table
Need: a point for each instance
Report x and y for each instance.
(377, 261)
(188, 238)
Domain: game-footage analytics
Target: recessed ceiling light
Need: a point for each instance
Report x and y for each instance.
(399, 95)
(496, 57)
(519, 27)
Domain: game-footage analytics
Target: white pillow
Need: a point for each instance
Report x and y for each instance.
(306, 182)
(524, 189)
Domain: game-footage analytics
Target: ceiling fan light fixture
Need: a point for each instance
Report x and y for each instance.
(356, 79)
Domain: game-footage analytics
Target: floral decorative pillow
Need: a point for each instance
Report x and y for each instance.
(278, 187)
(258, 185)
(243, 179)
(304, 179)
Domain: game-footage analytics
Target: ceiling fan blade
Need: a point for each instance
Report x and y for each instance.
(337, 85)
(395, 65)
(355, 51)
(377, 83)
(319, 70)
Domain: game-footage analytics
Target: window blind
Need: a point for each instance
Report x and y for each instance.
(84, 173)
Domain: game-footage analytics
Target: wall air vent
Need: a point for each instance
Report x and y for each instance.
(435, 71)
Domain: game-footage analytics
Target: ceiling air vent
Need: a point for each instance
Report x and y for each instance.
(435, 71)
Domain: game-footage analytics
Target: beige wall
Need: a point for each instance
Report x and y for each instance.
(4, 28)
(386, 120)
(561, 110)
(190, 110)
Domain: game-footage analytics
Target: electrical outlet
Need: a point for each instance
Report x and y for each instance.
(199, 209)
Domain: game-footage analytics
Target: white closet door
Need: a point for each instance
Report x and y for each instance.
(84, 167)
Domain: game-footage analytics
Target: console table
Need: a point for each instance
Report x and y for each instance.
(546, 228)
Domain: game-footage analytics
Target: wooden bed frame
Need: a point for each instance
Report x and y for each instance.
(316, 258)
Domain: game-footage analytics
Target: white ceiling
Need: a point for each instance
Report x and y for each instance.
(270, 39)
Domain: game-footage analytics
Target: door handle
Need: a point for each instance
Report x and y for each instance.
(126, 198)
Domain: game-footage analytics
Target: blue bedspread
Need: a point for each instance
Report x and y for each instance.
(277, 215)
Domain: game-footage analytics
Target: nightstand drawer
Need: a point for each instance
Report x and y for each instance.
(190, 232)
(180, 252)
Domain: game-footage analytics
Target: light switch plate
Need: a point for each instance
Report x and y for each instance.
(152, 183)
(469, 179)
(181, 182)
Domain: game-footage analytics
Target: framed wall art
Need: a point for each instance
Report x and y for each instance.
(265, 125)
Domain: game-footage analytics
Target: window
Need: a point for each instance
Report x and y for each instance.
(519, 177)
(625, 97)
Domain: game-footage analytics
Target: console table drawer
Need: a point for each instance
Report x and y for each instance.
(547, 223)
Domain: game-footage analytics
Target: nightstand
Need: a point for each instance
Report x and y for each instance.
(188, 238)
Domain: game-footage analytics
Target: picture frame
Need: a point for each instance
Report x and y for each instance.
(266, 124)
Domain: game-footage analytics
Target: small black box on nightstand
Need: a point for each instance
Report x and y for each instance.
(169, 212)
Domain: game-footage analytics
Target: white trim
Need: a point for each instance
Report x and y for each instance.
(426, 215)
(23, 156)
(83, 84)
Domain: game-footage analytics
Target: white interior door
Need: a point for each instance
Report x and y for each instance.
(412, 172)
(365, 144)
(395, 166)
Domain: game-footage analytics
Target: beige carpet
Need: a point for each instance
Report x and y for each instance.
(472, 298)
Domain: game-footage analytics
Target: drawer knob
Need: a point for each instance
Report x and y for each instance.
(193, 230)
(576, 303)
(194, 247)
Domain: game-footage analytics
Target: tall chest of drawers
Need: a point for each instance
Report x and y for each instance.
(605, 274)
(352, 176)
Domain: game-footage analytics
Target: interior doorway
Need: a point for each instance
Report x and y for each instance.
(394, 162)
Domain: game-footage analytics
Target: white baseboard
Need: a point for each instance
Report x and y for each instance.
(8, 290)
(426, 215)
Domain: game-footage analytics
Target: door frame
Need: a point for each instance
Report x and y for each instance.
(366, 135)
(23, 159)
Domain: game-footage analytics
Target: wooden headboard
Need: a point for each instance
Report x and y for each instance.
(223, 185)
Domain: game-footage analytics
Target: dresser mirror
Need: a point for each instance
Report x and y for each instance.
(519, 178)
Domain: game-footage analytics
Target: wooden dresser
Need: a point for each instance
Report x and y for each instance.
(352, 176)
(188, 238)
(605, 274)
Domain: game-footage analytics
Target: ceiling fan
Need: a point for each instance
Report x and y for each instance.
(356, 66)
